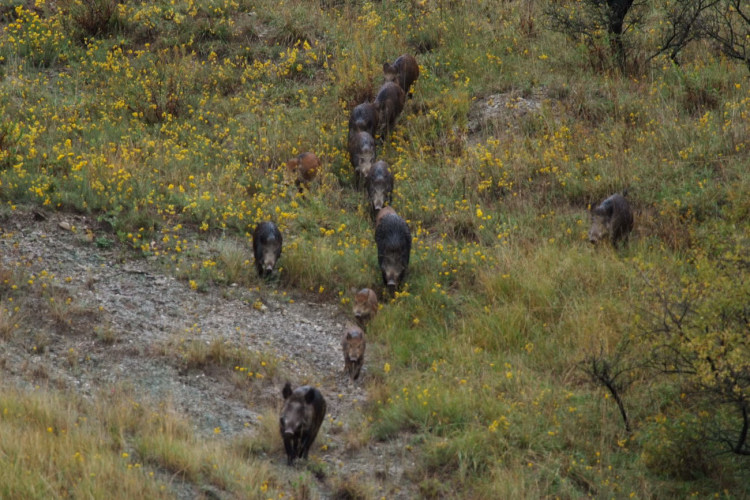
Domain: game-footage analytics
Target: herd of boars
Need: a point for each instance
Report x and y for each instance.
(304, 408)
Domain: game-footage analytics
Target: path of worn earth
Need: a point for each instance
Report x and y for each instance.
(146, 309)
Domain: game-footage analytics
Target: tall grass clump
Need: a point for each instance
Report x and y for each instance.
(54, 445)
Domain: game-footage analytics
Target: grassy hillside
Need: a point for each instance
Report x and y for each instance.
(172, 121)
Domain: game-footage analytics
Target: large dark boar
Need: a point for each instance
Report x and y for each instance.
(389, 103)
(266, 247)
(613, 218)
(364, 118)
(301, 417)
(353, 345)
(393, 239)
(361, 155)
(403, 71)
(379, 186)
(365, 306)
(304, 167)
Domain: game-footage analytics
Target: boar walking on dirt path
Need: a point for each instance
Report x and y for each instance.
(353, 345)
(267, 243)
(300, 420)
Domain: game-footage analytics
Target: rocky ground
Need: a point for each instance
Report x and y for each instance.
(128, 316)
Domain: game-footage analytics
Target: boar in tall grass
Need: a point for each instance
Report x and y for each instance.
(364, 118)
(379, 185)
(361, 155)
(393, 239)
(382, 213)
(404, 71)
(612, 219)
(267, 243)
(300, 420)
(303, 168)
(389, 103)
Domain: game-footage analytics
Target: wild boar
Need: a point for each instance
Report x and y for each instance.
(361, 155)
(389, 103)
(364, 118)
(382, 213)
(379, 185)
(365, 306)
(266, 247)
(613, 218)
(301, 417)
(304, 167)
(393, 239)
(404, 71)
(353, 345)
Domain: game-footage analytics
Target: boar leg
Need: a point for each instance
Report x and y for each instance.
(289, 447)
(307, 441)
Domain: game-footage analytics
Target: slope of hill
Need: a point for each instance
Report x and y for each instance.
(141, 143)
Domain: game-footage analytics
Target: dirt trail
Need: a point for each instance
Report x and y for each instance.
(144, 308)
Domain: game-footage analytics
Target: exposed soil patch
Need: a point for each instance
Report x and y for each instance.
(124, 312)
(496, 112)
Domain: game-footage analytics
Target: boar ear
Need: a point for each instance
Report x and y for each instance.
(287, 390)
(310, 396)
(386, 67)
(608, 208)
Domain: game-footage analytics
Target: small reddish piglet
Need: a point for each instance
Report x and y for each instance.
(365, 306)
(304, 167)
(393, 239)
(353, 345)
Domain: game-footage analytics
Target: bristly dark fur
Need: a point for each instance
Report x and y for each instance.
(301, 417)
(613, 218)
(379, 185)
(389, 103)
(393, 240)
(364, 118)
(404, 71)
(266, 238)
